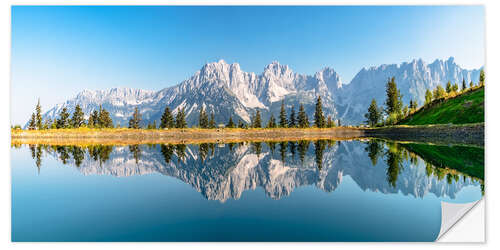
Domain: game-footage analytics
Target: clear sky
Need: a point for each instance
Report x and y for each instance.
(59, 51)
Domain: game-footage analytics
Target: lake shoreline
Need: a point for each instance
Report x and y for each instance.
(442, 134)
(463, 134)
(189, 135)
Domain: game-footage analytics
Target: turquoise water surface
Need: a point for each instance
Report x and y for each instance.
(265, 191)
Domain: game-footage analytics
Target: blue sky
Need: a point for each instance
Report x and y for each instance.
(59, 51)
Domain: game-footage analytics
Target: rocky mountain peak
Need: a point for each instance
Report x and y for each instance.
(226, 90)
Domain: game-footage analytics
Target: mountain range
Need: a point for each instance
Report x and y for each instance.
(226, 90)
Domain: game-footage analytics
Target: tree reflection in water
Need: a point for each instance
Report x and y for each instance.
(390, 157)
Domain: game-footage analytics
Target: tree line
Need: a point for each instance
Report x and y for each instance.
(206, 121)
(295, 120)
(101, 119)
(394, 110)
(97, 119)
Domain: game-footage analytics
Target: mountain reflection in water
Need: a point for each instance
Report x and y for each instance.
(224, 171)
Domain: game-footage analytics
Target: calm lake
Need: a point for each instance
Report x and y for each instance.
(359, 190)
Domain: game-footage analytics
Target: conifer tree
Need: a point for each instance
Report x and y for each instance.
(47, 124)
(38, 116)
(77, 120)
(104, 119)
(303, 121)
(464, 86)
(272, 122)
(241, 124)
(481, 77)
(90, 121)
(428, 96)
(292, 122)
(230, 123)
(135, 121)
(373, 115)
(211, 123)
(455, 87)
(54, 124)
(330, 123)
(393, 103)
(449, 87)
(283, 121)
(471, 84)
(414, 105)
(154, 125)
(180, 119)
(63, 121)
(93, 119)
(167, 119)
(257, 122)
(203, 118)
(319, 118)
(32, 122)
(439, 92)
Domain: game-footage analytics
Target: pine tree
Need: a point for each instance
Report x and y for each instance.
(464, 86)
(77, 120)
(455, 87)
(439, 92)
(167, 119)
(330, 123)
(38, 115)
(449, 87)
(428, 96)
(256, 121)
(154, 125)
(292, 122)
(63, 121)
(272, 122)
(481, 77)
(283, 121)
(135, 121)
(373, 115)
(54, 124)
(32, 122)
(471, 84)
(241, 124)
(393, 103)
(303, 121)
(230, 123)
(47, 124)
(211, 123)
(93, 119)
(414, 105)
(104, 119)
(180, 119)
(405, 110)
(203, 118)
(319, 118)
(90, 122)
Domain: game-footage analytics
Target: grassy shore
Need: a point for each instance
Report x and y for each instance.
(188, 135)
(462, 134)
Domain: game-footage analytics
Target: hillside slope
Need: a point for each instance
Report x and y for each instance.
(462, 109)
